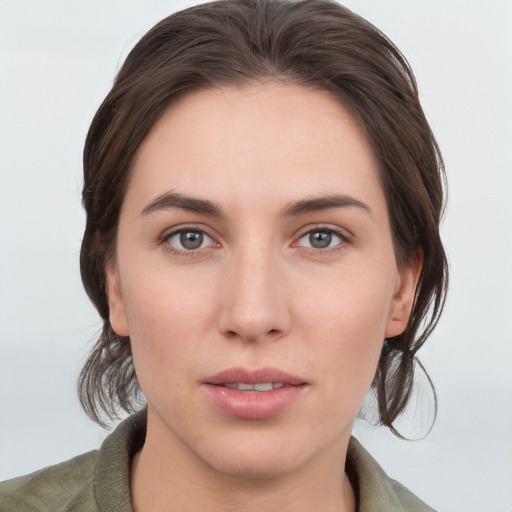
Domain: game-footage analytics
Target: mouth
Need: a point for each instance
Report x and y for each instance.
(260, 386)
(253, 394)
(263, 379)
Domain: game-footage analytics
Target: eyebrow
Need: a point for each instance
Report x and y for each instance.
(314, 204)
(175, 200)
(169, 200)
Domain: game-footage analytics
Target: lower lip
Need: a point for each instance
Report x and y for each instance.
(253, 405)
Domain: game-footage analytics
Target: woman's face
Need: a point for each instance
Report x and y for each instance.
(256, 278)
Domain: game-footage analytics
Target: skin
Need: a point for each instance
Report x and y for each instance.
(255, 293)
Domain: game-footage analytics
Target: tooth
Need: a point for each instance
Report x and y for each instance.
(264, 386)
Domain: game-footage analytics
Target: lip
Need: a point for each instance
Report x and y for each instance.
(268, 374)
(253, 405)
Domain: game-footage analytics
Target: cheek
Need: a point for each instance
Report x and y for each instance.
(347, 323)
(355, 305)
(166, 302)
(169, 322)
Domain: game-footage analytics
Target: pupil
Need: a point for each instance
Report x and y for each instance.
(320, 239)
(191, 239)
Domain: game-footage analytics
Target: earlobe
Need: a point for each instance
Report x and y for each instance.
(405, 292)
(117, 311)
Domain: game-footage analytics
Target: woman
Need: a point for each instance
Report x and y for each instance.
(263, 196)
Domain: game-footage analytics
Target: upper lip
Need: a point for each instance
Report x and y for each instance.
(248, 376)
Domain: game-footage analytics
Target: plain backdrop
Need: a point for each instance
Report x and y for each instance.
(57, 61)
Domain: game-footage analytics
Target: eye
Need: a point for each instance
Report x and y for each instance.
(321, 239)
(188, 240)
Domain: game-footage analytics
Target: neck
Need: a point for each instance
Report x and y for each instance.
(166, 476)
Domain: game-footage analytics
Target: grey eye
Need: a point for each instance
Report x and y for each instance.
(187, 240)
(191, 240)
(320, 239)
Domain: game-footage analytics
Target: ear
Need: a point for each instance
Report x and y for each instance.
(403, 297)
(117, 311)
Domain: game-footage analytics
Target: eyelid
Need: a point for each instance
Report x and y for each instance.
(344, 235)
(169, 233)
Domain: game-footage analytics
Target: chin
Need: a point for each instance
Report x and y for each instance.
(255, 466)
(258, 454)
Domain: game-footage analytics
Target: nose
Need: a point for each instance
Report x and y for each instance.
(254, 299)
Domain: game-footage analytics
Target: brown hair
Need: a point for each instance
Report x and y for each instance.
(314, 43)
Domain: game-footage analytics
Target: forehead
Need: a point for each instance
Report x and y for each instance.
(264, 138)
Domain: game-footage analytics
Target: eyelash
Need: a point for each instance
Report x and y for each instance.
(166, 237)
(342, 235)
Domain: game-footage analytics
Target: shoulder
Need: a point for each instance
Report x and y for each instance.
(65, 486)
(409, 501)
(93, 482)
(376, 491)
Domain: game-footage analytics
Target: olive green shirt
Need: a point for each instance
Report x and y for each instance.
(98, 481)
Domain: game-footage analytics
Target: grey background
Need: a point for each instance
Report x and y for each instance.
(57, 61)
